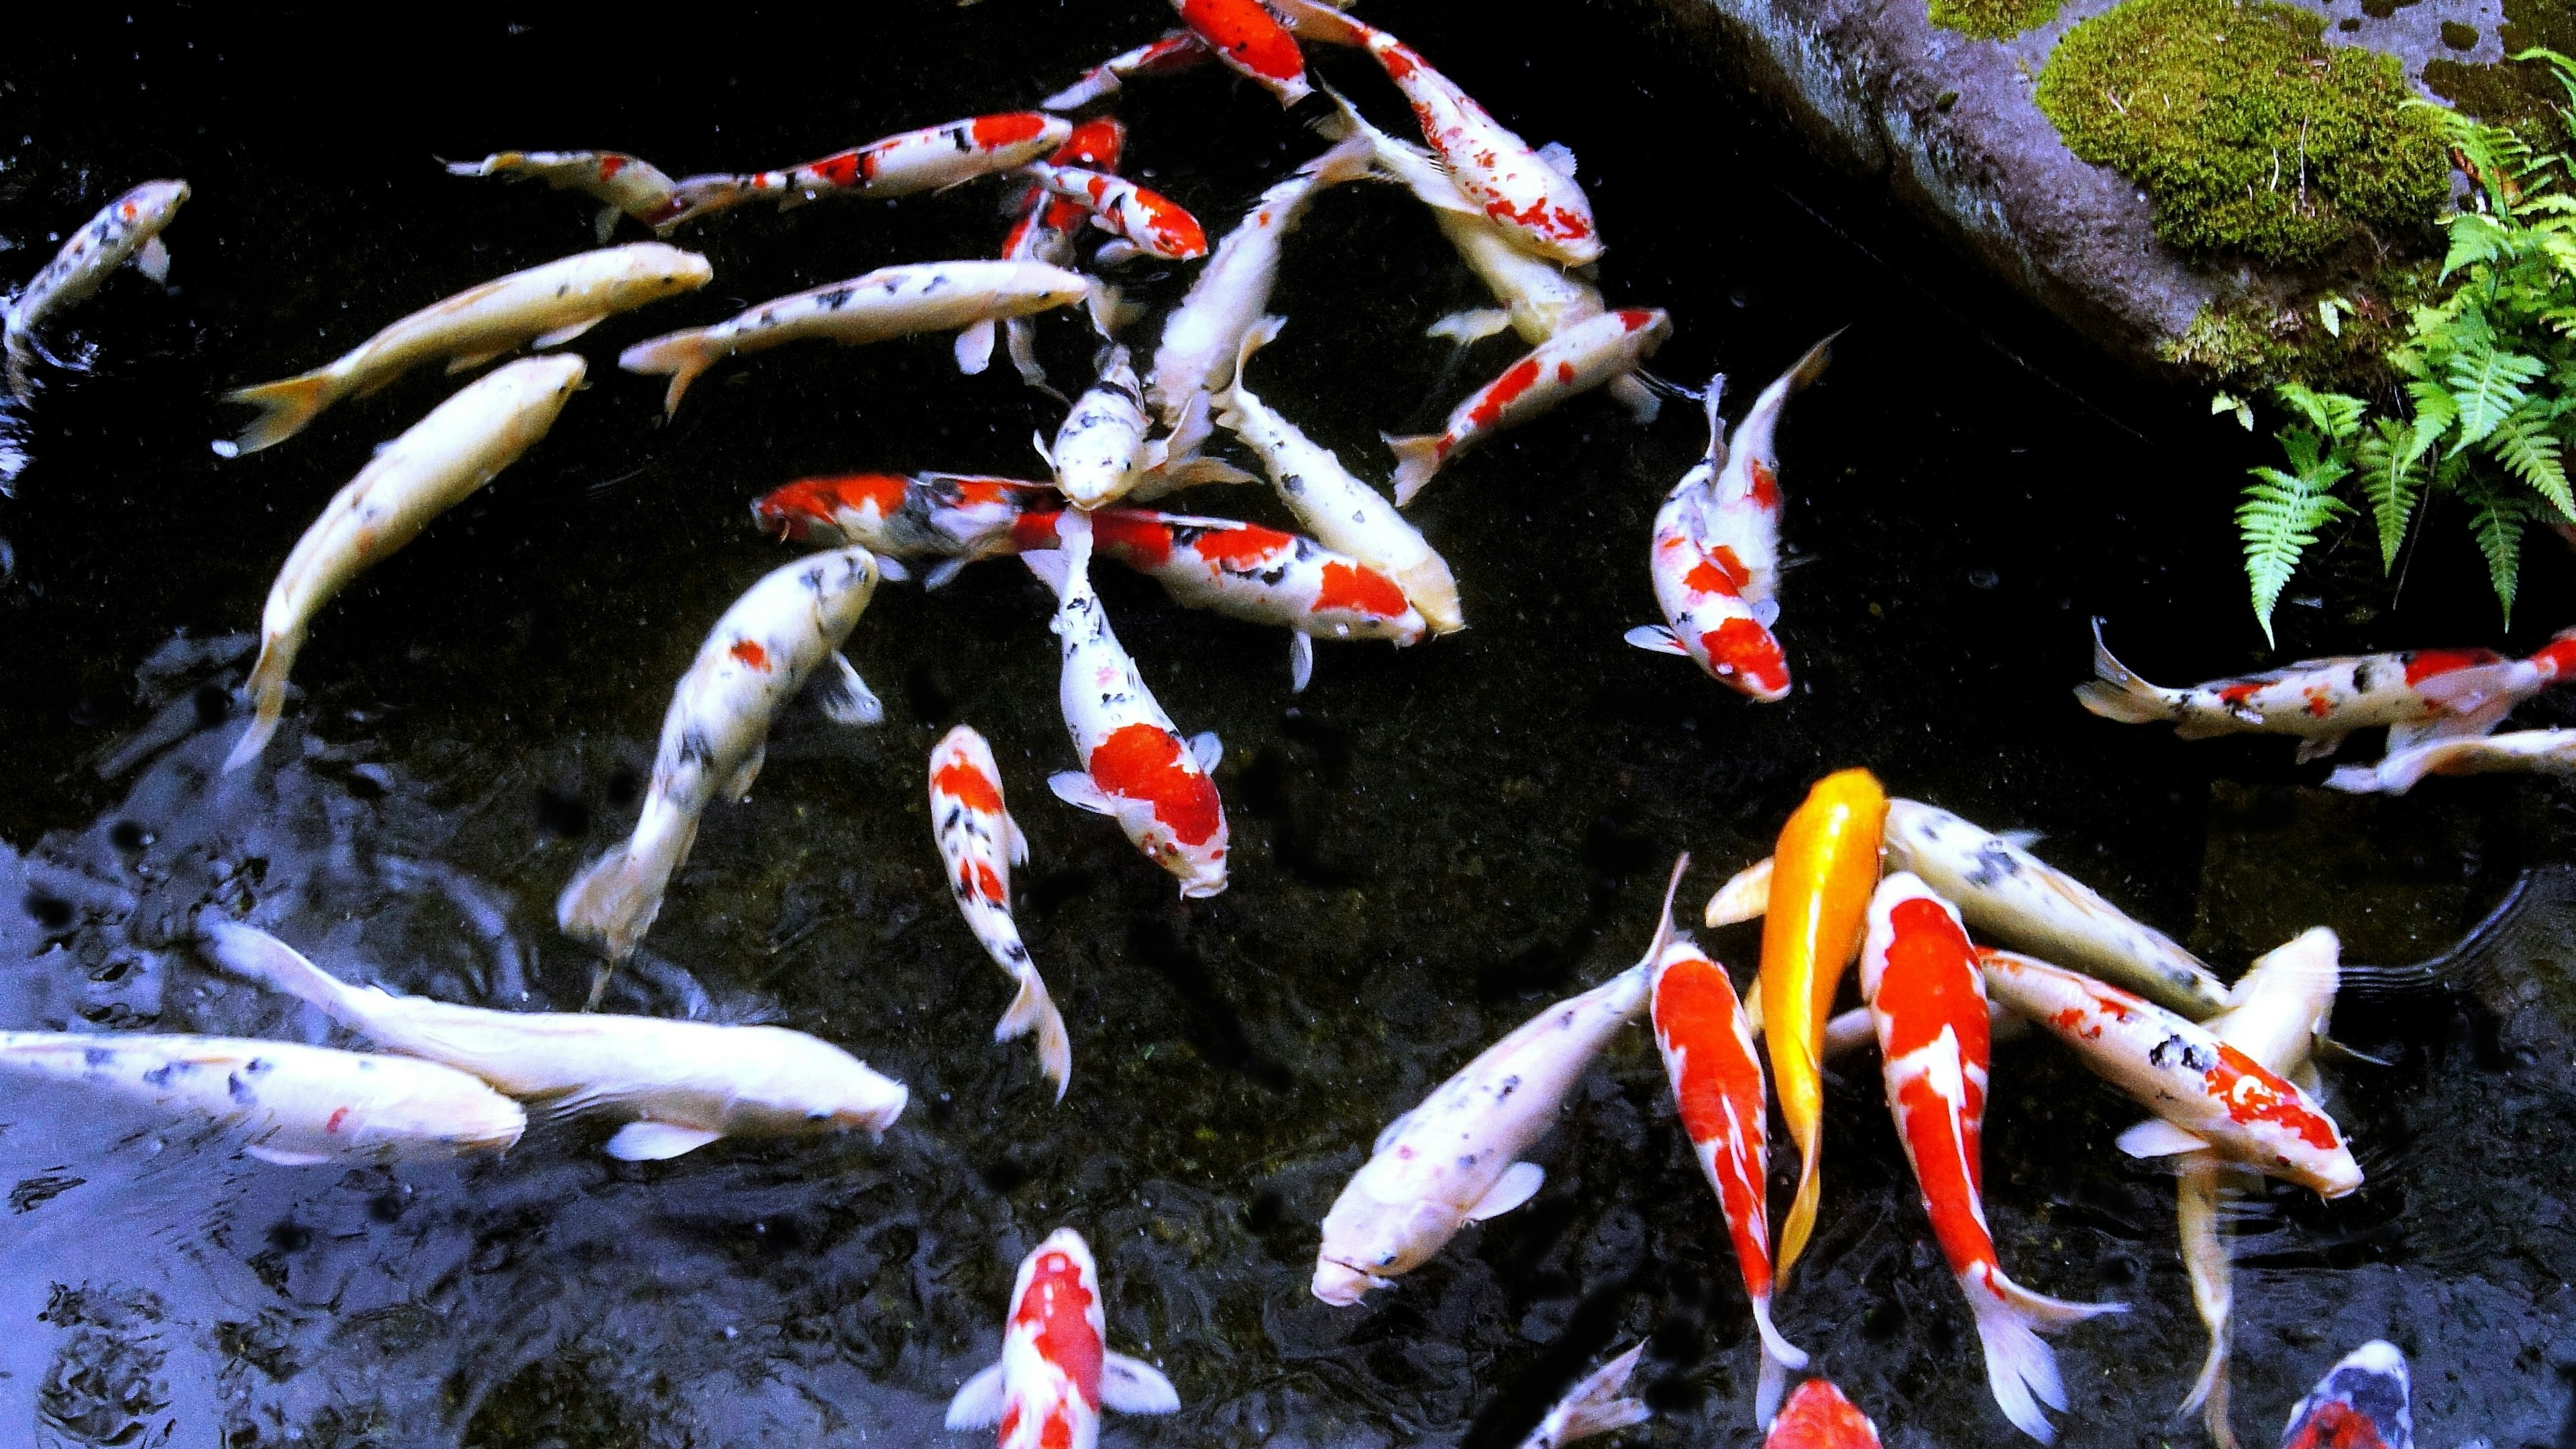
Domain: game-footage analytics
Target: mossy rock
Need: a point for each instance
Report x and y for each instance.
(1993, 19)
(2253, 135)
(2525, 96)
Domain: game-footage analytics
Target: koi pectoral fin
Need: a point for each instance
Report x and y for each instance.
(565, 333)
(975, 347)
(1657, 639)
(1132, 1386)
(1519, 1183)
(650, 1141)
(466, 363)
(1474, 325)
(845, 697)
(1207, 749)
(154, 261)
(738, 784)
(1117, 251)
(1075, 789)
(2319, 747)
(1636, 397)
(978, 1405)
(1301, 661)
(2156, 1137)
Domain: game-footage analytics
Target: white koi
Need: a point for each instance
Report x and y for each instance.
(1056, 1372)
(127, 228)
(624, 185)
(2551, 752)
(979, 842)
(1103, 453)
(436, 464)
(1598, 350)
(679, 1084)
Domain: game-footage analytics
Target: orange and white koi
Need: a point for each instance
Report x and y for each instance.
(624, 185)
(2206, 1094)
(436, 464)
(1725, 1106)
(886, 303)
(2363, 1402)
(1137, 769)
(1248, 572)
(955, 517)
(127, 228)
(1341, 511)
(1056, 1372)
(1927, 999)
(930, 159)
(2420, 694)
(1204, 335)
(715, 735)
(1045, 231)
(979, 842)
(1454, 1159)
(541, 307)
(2551, 752)
(1150, 223)
(1102, 452)
(294, 1105)
(1596, 1405)
(1817, 1416)
(1828, 864)
(1700, 582)
(1599, 350)
(1177, 51)
(1248, 37)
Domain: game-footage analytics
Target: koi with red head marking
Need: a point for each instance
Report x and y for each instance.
(1817, 1416)
(1700, 581)
(1598, 350)
(1927, 1000)
(2364, 1402)
(1177, 51)
(2205, 1093)
(953, 516)
(1056, 1372)
(624, 185)
(1150, 223)
(1249, 38)
(978, 845)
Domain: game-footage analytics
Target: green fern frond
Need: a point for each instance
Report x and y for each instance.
(2279, 519)
(2392, 479)
(2488, 384)
(2498, 520)
(2523, 443)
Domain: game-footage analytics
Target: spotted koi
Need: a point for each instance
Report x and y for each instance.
(1600, 350)
(1701, 582)
(1149, 223)
(1056, 1372)
(979, 842)
(1817, 1416)
(933, 158)
(2364, 1402)
(624, 185)
(1249, 38)
(1177, 51)
(128, 228)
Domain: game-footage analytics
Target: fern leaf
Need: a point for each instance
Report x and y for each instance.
(2523, 443)
(2475, 238)
(2487, 383)
(2392, 478)
(2278, 520)
(2497, 521)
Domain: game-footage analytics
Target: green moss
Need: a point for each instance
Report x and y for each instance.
(2253, 135)
(2247, 346)
(1993, 19)
(2522, 96)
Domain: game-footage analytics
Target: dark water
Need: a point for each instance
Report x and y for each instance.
(1430, 844)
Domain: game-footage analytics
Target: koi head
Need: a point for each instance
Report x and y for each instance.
(801, 1082)
(654, 270)
(2557, 658)
(1368, 1244)
(1171, 232)
(1744, 656)
(2363, 1402)
(1817, 1416)
(1096, 143)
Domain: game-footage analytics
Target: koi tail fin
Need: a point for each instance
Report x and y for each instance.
(256, 956)
(1352, 158)
(1058, 567)
(1034, 1011)
(1020, 337)
(285, 408)
(698, 196)
(2204, 1256)
(21, 353)
(612, 903)
(1811, 366)
(1324, 24)
(1769, 1389)
(1801, 1221)
(1416, 459)
(2021, 1370)
(267, 691)
(2401, 771)
(683, 355)
(1780, 1358)
(1109, 310)
(2117, 693)
(1597, 1405)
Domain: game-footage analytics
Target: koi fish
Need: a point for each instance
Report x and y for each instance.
(888, 302)
(1136, 767)
(1150, 224)
(1529, 190)
(1540, 298)
(957, 517)
(1343, 513)
(1927, 1000)
(127, 228)
(2206, 1094)
(1045, 231)
(2420, 694)
(1828, 856)
(2006, 892)
(2542, 751)
(435, 465)
(679, 1084)
(1177, 51)
(1249, 38)
(1817, 1416)
(541, 307)
(1725, 1106)
(623, 185)
(1102, 454)
(933, 158)
(1598, 350)
(294, 1105)
(715, 735)
(1700, 581)
(2364, 1402)
(1597, 1405)
(1056, 1371)
(979, 842)
(1205, 334)
(1454, 1160)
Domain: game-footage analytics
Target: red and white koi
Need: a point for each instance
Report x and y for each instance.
(715, 734)
(1599, 350)
(679, 1084)
(541, 307)
(1455, 1159)
(956, 517)
(436, 464)
(624, 185)
(1205, 334)
(1596, 1405)
(888, 302)
(2363, 1402)
(1725, 1105)
(2420, 694)
(1177, 51)
(1102, 452)
(1927, 999)
(1056, 1372)
(1137, 769)
(128, 228)
(979, 842)
(1150, 223)
(2206, 1094)
(1248, 37)
(1700, 581)
(1817, 1416)
(2551, 752)
(1045, 231)
(292, 1105)
(930, 159)
(1342, 512)
(1248, 572)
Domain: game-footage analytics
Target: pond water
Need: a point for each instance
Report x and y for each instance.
(1430, 844)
